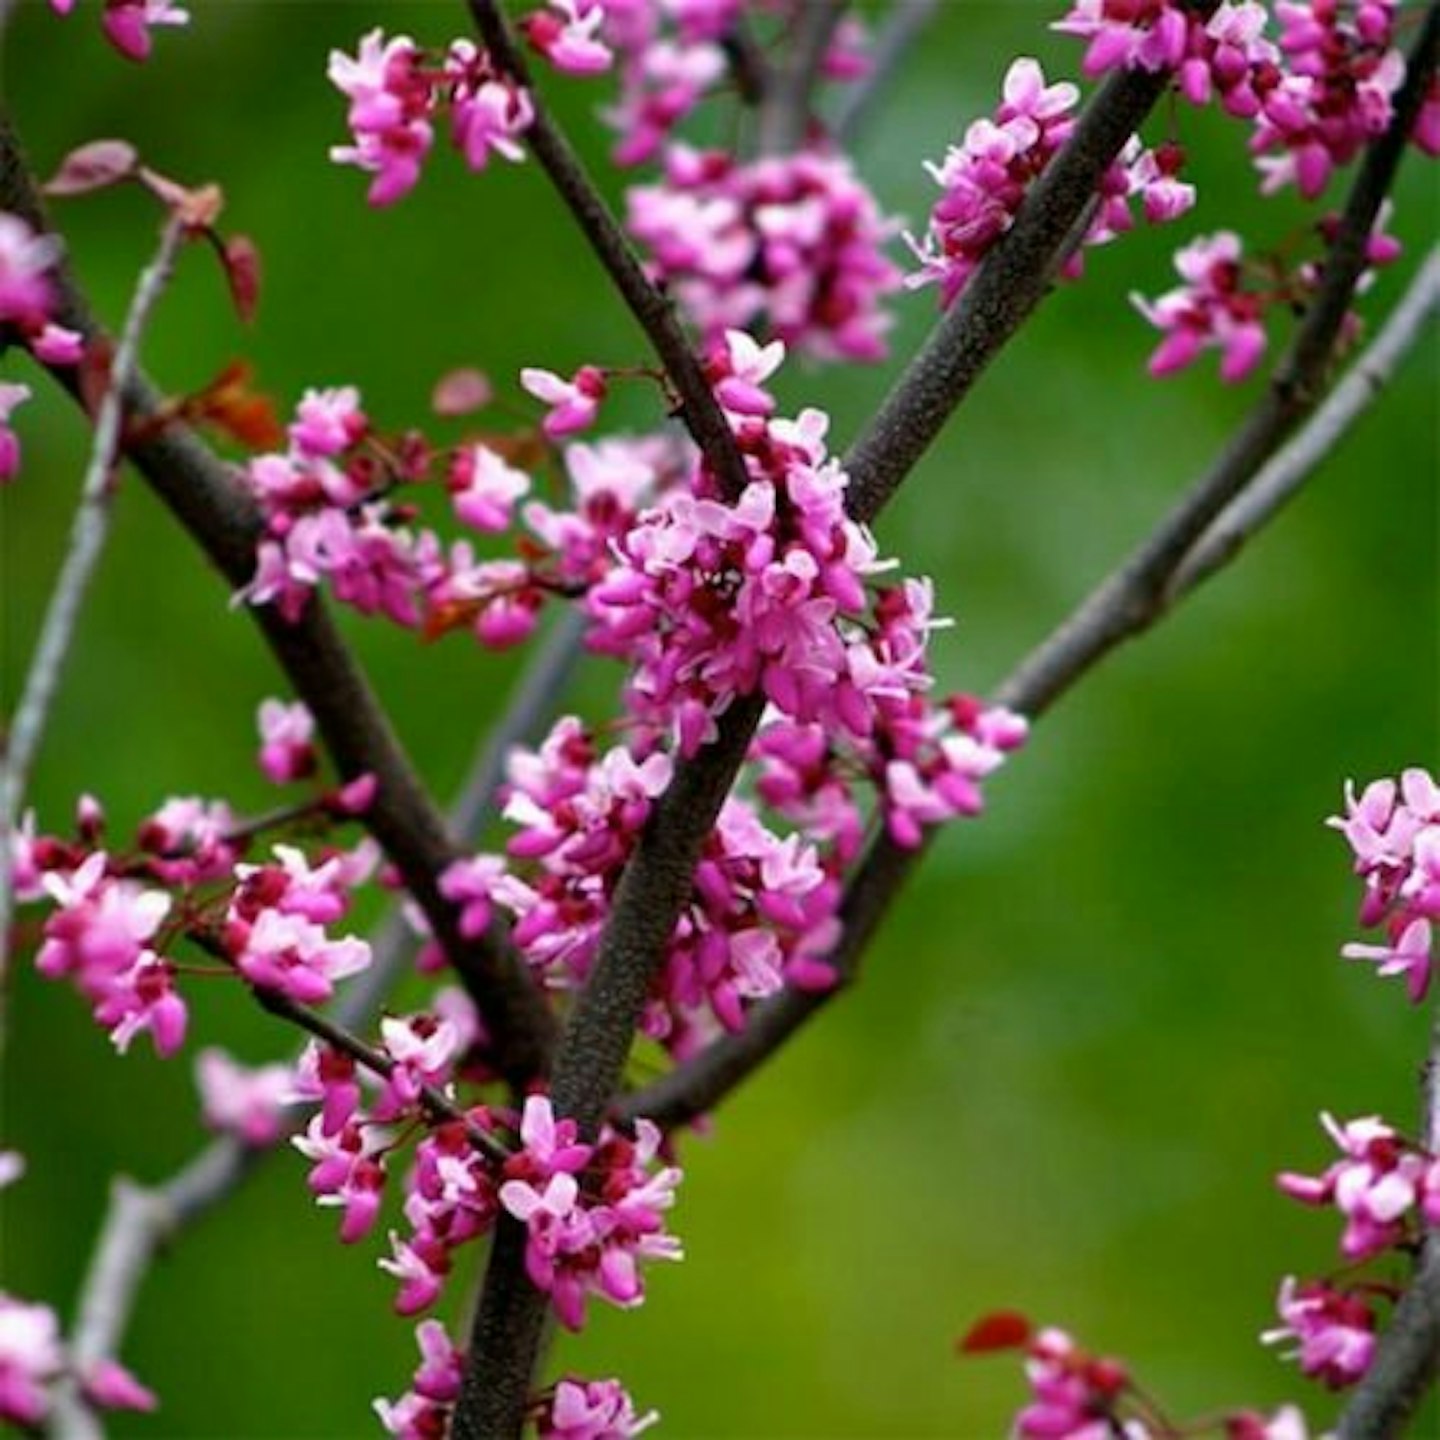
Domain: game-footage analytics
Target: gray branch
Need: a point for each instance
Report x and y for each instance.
(786, 109)
(88, 532)
(903, 26)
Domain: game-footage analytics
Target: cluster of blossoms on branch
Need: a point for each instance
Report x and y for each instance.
(594, 1212)
(1385, 1187)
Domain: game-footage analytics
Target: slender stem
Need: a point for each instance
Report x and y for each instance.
(905, 23)
(88, 532)
(202, 493)
(786, 109)
(653, 310)
(436, 1103)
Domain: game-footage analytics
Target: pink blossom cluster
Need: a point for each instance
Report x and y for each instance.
(116, 915)
(672, 56)
(594, 1213)
(987, 176)
(590, 1410)
(1223, 305)
(1332, 1330)
(423, 1412)
(127, 23)
(396, 90)
(27, 303)
(33, 1358)
(791, 245)
(1393, 828)
(1078, 1395)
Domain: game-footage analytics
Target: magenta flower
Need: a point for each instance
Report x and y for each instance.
(286, 749)
(10, 397)
(127, 24)
(31, 1357)
(390, 107)
(1212, 309)
(1333, 1331)
(248, 1103)
(294, 956)
(1409, 956)
(567, 35)
(423, 1412)
(484, 489)
(488, 111)
(573, 403)
(348, 1172)
(1128, 34)
(327, 422)
(26, 260)
(591, 1410)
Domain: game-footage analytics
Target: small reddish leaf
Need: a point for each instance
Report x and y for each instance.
(229, 404)
(999, 1330)
(461, 392)
(93, 167)
(242, 269)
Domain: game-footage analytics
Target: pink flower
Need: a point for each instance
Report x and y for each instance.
(484, 489)
(10, 397)
(390, 105)
(1409, 956)
(1212, 308)
(569, 39)
(469, 883)
(248, 1103)
(1128, 34)
(110, 1386)
(290, 954)
(26, 260)
(591, 1410)
(286, 732)
(347, 1172)
(1334, 1331)
(1375, 1186)
(423, 1412)
(488, 111)
(128, 22)
(573, 403)
(31, 1357)
(327, 422)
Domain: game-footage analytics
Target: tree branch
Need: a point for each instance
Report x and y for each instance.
(220, 516)
(652, 309)
(695, 1087)
(785, 111)
(88, 531)
(904, 25)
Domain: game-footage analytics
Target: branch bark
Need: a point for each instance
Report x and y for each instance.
(200, 490)
(786, 109)
(904, 25)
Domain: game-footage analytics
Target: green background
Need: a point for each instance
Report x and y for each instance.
(1098, 1023)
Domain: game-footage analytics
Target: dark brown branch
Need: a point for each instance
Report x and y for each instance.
(701, 1082)
(654, 311)
(202, 493)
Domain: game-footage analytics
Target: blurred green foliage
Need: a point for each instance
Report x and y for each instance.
(1102, 1017)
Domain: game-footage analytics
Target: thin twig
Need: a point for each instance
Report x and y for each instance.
(201, 491)
(88, 532)
(700, 1083)
(786, 110)
(654, 311)
(1407, 1357)
(904, 25)
(1283, 476)
(437, 1104)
